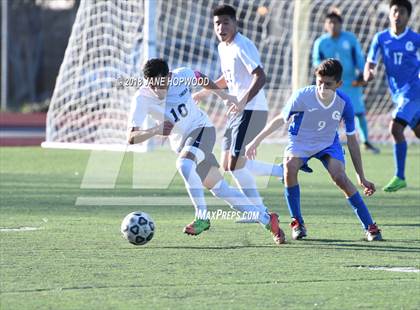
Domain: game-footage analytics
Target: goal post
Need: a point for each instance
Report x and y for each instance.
(301, 52)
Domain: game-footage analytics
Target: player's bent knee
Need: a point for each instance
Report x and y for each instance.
(340, 179)
(235, 163)
(417, 130)
(291, 167)
(397, 130)
(193, 153)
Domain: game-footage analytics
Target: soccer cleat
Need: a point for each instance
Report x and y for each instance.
(298, 229)
(274, 228)
(373, 233)
(369, 147)
(395, 184)
(197, 227)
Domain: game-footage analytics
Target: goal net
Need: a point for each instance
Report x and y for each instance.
(89, 106)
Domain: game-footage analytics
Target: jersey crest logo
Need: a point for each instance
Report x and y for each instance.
(336, 115)
(183, 92)
(409, 46)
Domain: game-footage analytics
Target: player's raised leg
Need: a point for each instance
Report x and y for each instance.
(187, 166)
(237, 200)
(336, 170)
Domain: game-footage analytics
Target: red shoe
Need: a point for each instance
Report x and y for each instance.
(373, 233)
(298, 229)
(276, 231)
(197, 227)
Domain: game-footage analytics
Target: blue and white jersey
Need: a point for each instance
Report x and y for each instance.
(178, 107)
(401, 56)
(313, 126)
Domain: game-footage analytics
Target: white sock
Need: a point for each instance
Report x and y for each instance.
(259, 168)
(246, 183)
(187, 168)
(238, 201)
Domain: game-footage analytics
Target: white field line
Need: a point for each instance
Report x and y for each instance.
(8, 229)
(143, 201)
(395, 269)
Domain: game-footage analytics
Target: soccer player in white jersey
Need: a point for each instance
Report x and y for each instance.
(166, 97)
(243, 75)
(314, 113)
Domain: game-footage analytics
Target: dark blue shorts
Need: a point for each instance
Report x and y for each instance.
(408, 112)
(335, 150)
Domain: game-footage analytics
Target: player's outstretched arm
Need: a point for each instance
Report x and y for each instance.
(356, 158)
(220, 83)
(258, 82)
(251, 148)
(138, 135)
(368, 74)
(211, 86)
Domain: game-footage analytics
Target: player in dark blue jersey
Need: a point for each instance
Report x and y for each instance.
(399, 47)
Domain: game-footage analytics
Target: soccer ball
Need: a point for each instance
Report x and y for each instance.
(138, 228)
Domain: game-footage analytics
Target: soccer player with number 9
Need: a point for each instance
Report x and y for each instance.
(314, 113)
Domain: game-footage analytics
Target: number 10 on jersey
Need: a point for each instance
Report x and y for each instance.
(182, 111)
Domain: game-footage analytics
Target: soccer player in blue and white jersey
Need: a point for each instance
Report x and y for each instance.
(314, 113)
(344, 46)
(166, 97)
(243, 75)
(399, 47)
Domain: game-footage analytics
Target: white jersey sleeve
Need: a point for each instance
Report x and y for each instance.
(238, 60)
(249, 55)
(138, 110)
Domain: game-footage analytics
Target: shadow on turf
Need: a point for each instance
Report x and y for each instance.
(402, 225)
(355, 245)
(229, 247)
(352, 245)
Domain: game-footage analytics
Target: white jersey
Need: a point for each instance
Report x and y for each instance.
(178, 107)
(238, 59)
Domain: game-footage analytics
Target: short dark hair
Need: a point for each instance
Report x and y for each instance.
(330, 67)
(224, 9)
(335, 15)
(155, 67)
(404, 3)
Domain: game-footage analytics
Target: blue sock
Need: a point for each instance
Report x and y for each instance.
(292, 195)
(360, 209)
(400, 153)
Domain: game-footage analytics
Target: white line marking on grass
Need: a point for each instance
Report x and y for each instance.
(393, 269)
(8, 229)
(142, 201)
